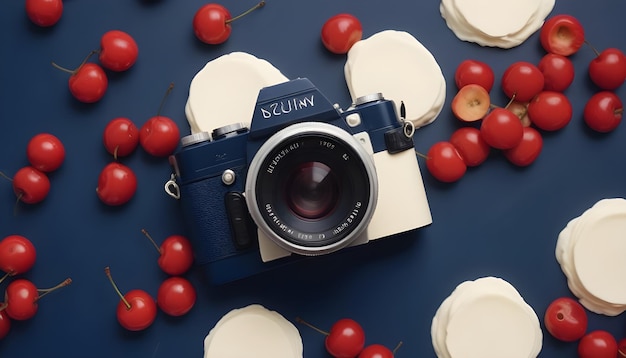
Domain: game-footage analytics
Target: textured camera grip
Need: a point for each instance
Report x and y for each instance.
(203, 208)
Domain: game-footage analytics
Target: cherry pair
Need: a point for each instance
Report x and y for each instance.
(88, 82)
(176, 295)
(346, 339)
(17, 256)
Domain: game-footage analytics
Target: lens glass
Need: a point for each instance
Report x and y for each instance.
(312, 190)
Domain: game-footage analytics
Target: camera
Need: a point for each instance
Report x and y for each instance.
(306, 178)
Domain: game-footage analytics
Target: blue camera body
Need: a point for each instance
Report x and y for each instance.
(211, 172)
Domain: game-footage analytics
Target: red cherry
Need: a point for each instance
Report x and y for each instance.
(566, 319)
(31, 185)
(502, 129)
(17, 254)
(22, 298)
(117, 184)
(176, 254)
(597, 344)
(550, 110)
(345, 339)
(176, 296)
(522, 81)
(45, 152)
(5, 321)
(211, 23)
(470, 145)
(608, 69)
(340, 32)
(159, 136)
(603, 111)
(44, 13)
(444, 162)
(87, 83)
(376, 351)
(120, 137)
(118, 50)
(474, 72)
(527, 150)
(558, 72)
(136, 310)
(562, 34)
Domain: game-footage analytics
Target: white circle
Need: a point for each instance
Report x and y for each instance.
(397, 65)
(225, 90)
(497, 18)
(253, 331)
(598, 257)
(493, 326)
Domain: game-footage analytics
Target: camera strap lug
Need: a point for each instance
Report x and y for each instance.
(409, 129)
(400, 139)
(171, 187)
(408, 126)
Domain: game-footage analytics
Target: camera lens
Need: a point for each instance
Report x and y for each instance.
(311, 188)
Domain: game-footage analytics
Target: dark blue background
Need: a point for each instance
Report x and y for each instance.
(497, 220)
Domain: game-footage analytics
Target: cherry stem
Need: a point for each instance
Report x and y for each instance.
(107, 271)
(44, 291)
(167, 93)
(6, 176)
(619, 111)
(521, 114)
(81, 64)
(421, 155)
(257, 6)
(300, 320)
(5, 276)
(621, 353)
(397, 347)
(595, 50)
(511, 100)
(63, 68)
(145, 232)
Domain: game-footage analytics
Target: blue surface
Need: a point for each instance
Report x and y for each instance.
(497, 220)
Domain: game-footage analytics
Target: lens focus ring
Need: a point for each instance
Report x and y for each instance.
(312, 188)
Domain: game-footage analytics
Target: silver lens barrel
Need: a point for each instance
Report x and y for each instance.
(280, 225)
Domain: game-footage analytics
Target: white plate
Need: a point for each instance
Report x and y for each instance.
(588, 250)
(225, 90)
(599, 257)
(253, 331)
(497, 18)
(477, 314)
(491, 326)
(495, 23)
(397, 65)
